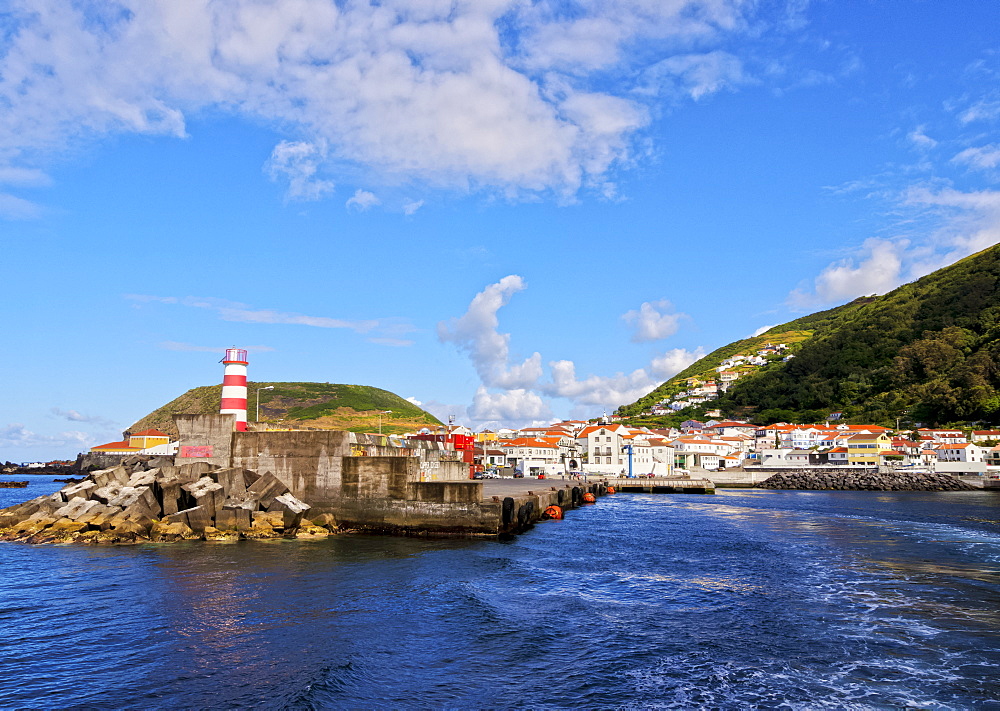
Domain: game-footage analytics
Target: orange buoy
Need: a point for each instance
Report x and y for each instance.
(554, 512)
(589, 498)
(611, 489)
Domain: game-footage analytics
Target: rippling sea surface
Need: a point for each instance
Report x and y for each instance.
(743, 599)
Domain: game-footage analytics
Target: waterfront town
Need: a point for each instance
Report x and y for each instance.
(609, 447)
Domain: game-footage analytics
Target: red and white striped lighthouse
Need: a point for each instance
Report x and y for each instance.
(234, 387)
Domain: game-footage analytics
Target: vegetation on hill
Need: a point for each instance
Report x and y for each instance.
(926, 352)
(324, 405)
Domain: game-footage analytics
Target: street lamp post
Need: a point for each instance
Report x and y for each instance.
(257, 416)
(380, 413)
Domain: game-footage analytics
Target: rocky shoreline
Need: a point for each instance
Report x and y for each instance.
(139, 504)
(862, 480)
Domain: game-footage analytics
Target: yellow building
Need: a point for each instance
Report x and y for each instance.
(863, 449)
(135, 444)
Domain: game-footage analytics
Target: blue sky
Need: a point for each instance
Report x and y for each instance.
(508, 211)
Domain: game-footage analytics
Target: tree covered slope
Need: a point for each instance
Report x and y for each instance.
(926, 352)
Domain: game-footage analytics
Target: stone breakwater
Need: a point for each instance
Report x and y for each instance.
(861, 480)
(137, 504)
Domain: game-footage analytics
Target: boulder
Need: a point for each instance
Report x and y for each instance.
(327, 521)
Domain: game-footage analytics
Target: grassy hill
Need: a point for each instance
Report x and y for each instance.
(323, 405)
(926, 352)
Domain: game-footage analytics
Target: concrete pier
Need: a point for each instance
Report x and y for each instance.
(663, 485)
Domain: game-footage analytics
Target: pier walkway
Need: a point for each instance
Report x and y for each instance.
(656, 485)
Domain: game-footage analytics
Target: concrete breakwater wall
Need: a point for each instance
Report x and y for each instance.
(864, 480)
(207, 502)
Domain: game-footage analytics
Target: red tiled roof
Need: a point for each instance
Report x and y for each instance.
(124, 444)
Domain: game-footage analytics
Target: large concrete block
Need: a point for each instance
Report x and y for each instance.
(193, 471)
(266, 489)
(132, 498)
(142, 478)
(195, 518)
(105, 494)
(169, 495)
(207, 495)
(292, 510)
(233, 482)
(78, 491)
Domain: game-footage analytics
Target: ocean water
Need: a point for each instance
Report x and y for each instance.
(745, 599)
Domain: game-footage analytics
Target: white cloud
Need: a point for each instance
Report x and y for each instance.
(493, 95)
(672, 362)
(653, 321)
(476, 333)
(515, 405)
(411, 206)
(297, 162)
(362, 200)
(696, 75)
(962, 223)
(191, 348)
(75, 416)
(981, 111)
(981, 158)
(920, 139)
(414, 401)
(15, 208)
(876, 269)
(242, 313)
(514, 393)
(70, 442)
(762, 330)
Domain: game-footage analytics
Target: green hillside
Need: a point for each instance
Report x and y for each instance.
(926, 352)
(324, 405)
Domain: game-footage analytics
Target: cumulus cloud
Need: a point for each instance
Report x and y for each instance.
(514, 393)
(496, 95)
(762, 330)
(515, 405)
(476, 334)
(669, 364)
(876, 268)
(653, 321)
(964, 223)
(362, 200)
